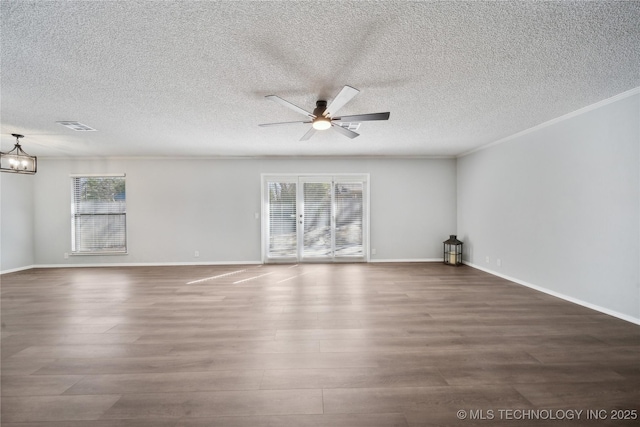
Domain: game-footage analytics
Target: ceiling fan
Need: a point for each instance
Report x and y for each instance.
(324, 117)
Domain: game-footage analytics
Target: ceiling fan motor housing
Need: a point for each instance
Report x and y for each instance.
(321, 106)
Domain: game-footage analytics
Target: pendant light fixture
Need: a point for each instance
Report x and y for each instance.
(17, 161)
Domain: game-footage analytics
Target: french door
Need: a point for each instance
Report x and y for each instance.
(315, 218)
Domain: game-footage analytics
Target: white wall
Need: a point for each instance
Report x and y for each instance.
(560, 207)
(16, 222)
(175, 207)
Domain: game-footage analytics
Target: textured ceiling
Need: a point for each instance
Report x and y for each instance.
(189, 78)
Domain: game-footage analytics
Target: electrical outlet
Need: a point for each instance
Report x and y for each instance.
(499, 262)
(197, 254)
(257, 215)
(66, 255)
(373, 251)
(487, 259)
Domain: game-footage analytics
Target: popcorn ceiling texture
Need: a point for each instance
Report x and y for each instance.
(189, 78)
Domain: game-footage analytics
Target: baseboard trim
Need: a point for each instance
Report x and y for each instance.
(173, 264)
(14, 270)
(595, 307)
(144, 264)
(408, 260)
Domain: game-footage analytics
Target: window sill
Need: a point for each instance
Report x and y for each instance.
(97, 253)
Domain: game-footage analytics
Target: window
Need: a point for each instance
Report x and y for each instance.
(98, 214)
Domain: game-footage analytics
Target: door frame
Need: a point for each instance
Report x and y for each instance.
(299, 178)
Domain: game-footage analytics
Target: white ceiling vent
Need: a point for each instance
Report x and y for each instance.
(350, 125)
(76, 126)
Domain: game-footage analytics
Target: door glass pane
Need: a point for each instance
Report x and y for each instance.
(317, 219)
(282, 219)
(348, 200)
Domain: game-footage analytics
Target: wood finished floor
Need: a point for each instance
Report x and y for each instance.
(347, 345)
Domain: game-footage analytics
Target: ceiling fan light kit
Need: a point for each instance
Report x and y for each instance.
(323, 116)
(17, 160)
(321, 123)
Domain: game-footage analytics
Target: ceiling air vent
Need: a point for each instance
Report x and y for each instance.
(77, 126)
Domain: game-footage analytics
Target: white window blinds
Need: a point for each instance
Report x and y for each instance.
(98, 214)
(317, 219)
(282, 219)
(348, 200)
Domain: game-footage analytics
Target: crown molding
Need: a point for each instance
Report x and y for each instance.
(551, 122)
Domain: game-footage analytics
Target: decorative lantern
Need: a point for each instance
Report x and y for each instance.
(452, 251)
(17, 161)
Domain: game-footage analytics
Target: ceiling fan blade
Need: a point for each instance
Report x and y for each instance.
(280, 123)
(287, 104)
(363, 117)
(346, 132)
(309, 134)
(346, 94)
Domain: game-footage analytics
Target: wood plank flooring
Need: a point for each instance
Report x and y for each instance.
(346, 345)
